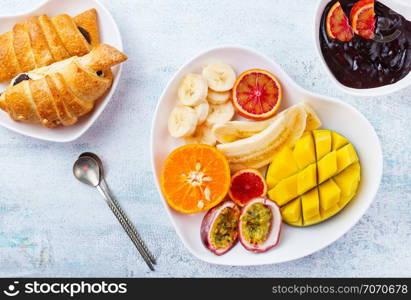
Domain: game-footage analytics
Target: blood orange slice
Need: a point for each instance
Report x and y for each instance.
(363, 18)
(247, 184)
(257, 94)
(195, 178)
(338, 25)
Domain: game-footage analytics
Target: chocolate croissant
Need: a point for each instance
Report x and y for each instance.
(41, 41)
(63, 91)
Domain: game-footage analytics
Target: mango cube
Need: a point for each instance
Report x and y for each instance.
(314, 220)
(292, 213)
(282, 166)
(304, 151)
(345, 199)
(327, 167)
(322, 142)
(338, 140)
(307, 179)
(310, 204)
(348, 179)
(345, 157)
(325, 214)
(285, 190)
(330, 194)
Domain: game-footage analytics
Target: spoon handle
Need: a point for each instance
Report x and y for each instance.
(136, 242)
(131, 226)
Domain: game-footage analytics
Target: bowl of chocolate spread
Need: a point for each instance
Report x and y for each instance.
(368, 67)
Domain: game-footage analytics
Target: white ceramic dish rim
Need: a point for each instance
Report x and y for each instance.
(379, 91)
(378, 172)
(95, 114)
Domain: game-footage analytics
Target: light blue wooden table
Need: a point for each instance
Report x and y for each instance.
(51, 225)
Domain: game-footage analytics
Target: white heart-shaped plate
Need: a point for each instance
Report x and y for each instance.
(109, 34)
(336, 115)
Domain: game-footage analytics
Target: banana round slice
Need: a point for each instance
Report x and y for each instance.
(202, 135)
(220, 113)
(192, 90)
(220, 77)
(218, 97)
(202, 110)
(182, 121)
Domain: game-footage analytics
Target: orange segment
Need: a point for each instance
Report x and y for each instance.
(195, 178)
(257, 94)
(337, 23)
(363, 18)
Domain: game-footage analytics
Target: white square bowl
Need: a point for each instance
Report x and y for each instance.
(109, 34)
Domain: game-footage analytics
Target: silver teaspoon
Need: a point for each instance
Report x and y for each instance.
(86, 170)
(104, 186)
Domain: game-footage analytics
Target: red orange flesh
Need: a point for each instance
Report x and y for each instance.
(257, 94)
(338, 25)
(247, 184)
(363, 18)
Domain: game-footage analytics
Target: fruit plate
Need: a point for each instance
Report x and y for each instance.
(336, 115)
(109, 34)
(399, 6)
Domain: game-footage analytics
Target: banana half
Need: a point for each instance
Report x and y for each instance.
(257, 151)
(231, 131)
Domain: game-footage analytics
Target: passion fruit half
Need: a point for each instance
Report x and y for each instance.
(260, 225)
(219, 227)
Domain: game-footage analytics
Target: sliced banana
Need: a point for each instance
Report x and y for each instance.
(192, 90)
(182, 121)
(202, 110)
(218, 97)
(220, 113)
(220, 77)
(202, 135)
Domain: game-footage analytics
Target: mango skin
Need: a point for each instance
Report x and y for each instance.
(315, 179)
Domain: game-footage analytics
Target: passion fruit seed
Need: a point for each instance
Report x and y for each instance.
(224, 231)
(256, 223)
(219, 228)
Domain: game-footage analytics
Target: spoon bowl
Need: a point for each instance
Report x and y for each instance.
(98, 161)
(86, 169)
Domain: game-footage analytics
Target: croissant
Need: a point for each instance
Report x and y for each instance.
(41, 41)
(63, 91)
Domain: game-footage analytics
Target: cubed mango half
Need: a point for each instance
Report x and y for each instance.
(315, 179)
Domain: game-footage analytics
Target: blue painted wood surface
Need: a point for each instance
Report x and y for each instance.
(51, 225)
